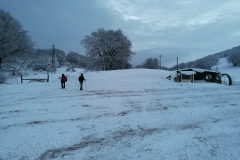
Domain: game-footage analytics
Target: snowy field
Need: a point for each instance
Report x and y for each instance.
(134, 114)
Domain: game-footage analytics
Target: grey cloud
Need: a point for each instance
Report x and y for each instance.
(189, 29)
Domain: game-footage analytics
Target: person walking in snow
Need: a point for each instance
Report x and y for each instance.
(63, 80)
(81, 79)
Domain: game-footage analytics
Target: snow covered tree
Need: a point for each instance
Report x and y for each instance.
(107, 50)
(60, 56)
(42, 60)
(75, 59)
(182, 66)
(151, 63)
(234, 57)
(206, 62)
(201, 63)
(13, 39)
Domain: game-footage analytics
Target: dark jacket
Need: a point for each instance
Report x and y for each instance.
(81, 78)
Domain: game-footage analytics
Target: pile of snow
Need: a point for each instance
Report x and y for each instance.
(124, 114)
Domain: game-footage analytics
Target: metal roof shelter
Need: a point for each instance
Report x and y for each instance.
(198, 74)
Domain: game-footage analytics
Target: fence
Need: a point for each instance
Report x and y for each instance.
(36, 79)
(235, 80)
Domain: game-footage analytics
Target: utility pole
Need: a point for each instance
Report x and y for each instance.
(160, 56)
(177, 70)
(177, 63)
(53, 59)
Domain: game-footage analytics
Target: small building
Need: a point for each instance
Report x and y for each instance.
(198, 75)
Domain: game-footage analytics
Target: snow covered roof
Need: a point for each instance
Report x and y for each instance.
(187, 72)
(199, 70)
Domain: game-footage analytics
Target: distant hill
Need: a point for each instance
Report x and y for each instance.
(207, 62)
(224, 67)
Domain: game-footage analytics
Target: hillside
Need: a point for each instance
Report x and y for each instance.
(207, 62)
(224, 67)
(125, 114)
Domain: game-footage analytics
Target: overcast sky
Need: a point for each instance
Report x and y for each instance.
(187, 29)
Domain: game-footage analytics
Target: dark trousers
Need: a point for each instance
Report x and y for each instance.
(63, 84)
(81, 84)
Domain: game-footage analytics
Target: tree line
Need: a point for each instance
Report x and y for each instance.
(207, 62)
(104, 50)
(232, 55)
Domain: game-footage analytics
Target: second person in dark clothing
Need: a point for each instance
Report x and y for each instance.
(81, 79)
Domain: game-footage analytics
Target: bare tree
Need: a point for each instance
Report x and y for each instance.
(13, 39)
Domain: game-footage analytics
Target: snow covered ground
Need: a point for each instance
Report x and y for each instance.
(132, 114)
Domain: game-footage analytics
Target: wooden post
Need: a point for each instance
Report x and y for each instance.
(48, 78)
(21, 79)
